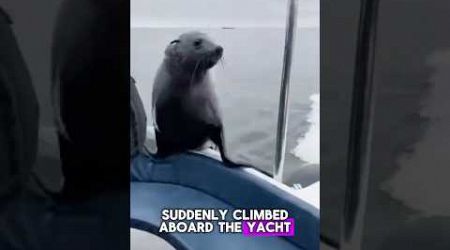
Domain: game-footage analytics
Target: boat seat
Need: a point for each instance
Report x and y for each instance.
(196, 181)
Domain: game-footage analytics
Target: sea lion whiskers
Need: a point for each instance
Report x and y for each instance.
(197, 66)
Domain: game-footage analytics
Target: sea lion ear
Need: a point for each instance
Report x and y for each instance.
(171, 50)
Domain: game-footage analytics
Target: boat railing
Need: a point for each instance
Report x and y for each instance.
(280, 150)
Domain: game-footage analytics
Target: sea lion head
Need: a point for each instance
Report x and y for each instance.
(193, 52)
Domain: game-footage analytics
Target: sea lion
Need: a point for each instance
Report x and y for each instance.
(184, 104)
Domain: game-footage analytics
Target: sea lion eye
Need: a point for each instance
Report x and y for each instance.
(175, 41)
(198, 42)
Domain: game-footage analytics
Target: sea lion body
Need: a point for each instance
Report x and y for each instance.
(185, 106)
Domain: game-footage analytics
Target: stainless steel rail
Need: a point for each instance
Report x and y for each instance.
(280, 149)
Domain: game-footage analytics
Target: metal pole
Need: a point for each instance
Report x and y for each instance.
(280, 149)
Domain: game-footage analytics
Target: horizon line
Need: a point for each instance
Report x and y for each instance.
(221, 26)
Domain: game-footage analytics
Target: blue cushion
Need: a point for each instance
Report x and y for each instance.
(148, 199)
(196, 181)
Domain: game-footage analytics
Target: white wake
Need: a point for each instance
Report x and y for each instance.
(308, 148)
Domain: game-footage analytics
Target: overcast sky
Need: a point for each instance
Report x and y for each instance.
(219, 13)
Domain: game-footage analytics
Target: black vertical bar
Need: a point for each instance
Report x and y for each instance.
(358, 167)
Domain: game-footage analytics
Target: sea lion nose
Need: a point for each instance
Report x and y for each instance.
(218, 50)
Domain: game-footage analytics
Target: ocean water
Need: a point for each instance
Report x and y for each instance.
(248, 85)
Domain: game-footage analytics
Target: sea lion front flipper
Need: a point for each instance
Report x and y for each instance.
(216, 136)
